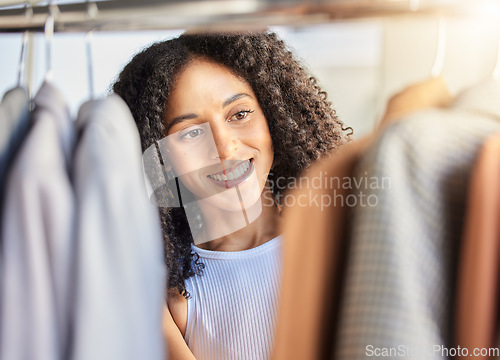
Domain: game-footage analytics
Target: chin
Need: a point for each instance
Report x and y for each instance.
(231, 201)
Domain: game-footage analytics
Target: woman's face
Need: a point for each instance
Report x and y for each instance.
(218, 138)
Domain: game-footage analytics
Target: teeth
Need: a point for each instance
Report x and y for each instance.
(234, 174)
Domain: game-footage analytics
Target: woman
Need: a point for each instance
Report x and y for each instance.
(232, 115)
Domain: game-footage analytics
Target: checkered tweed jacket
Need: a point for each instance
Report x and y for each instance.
(398, 295)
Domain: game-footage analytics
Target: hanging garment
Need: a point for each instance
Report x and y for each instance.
(399, 291)
(14, 123)
(120, 277)
(478, 271)
(38, 225)
(313, 250)
(478, 275)
(232, 307)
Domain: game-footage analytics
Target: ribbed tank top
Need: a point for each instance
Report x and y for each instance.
(233, 305)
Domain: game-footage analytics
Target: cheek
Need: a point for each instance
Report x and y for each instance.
(265, 144)
(261, 140)
(187, 162)
(179, 163)
(260, 136)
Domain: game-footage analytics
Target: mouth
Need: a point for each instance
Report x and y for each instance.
(233, 176)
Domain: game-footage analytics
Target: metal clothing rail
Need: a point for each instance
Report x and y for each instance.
(122, 15)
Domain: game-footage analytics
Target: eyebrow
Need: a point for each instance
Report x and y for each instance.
(233, 98)
(181, 118)
(190, 116)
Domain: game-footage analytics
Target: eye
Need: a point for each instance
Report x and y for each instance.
(192, 134)
(240, 115)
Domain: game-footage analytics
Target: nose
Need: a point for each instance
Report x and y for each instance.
(226, 143)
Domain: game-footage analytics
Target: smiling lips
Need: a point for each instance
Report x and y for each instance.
(234, 176)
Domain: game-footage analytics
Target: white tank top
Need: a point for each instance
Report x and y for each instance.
(233, 305)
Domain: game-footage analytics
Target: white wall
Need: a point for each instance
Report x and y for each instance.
(470, 52)
(110, 51)
(346, 58)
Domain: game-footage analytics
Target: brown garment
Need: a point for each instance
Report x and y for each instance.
(478, 273)
(312, 253)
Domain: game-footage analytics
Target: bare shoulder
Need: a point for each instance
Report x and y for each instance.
(177, 304)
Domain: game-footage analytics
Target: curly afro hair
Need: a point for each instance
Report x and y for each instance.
(302, 123)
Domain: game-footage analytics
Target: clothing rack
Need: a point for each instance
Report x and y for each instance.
(206, 15)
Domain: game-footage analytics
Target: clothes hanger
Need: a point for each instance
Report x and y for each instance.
(24, 46)
(430, 93)
(49, 36)
(90, 66)
(437, 67)
(91, 14)
(496, 69)
(22, 59)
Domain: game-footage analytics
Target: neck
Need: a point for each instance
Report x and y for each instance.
(262, 227)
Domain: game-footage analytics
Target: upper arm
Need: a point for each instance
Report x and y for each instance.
(174, 328)
(177, 304)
